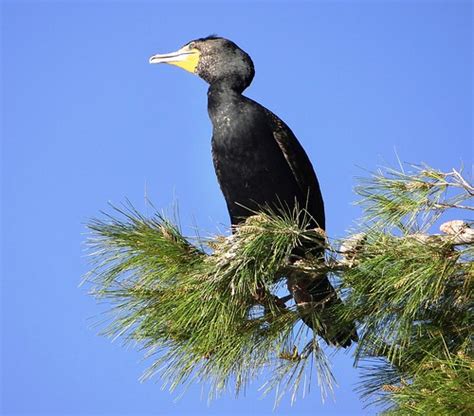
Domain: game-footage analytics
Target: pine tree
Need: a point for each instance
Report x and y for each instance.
(215, 310)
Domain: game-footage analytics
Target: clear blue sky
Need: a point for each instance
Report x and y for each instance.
(86, 120)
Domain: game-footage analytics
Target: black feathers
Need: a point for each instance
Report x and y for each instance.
(209, 37)
(260, 163)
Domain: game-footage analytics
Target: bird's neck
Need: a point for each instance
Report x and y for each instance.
(229, 85)
(221, 97)
(223, 92)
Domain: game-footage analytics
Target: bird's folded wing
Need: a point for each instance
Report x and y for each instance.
(301, 167)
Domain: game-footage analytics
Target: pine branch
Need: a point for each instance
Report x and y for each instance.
(217, 317)
(411, 291)
(215, 310)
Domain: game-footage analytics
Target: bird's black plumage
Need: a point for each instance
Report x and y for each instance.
(252, 168)
(260, 163)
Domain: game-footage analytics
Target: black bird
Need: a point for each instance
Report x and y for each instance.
(259, 161)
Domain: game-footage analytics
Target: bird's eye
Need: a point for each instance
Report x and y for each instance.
(191, 45)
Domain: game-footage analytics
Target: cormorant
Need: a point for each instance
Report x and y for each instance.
(258, 160)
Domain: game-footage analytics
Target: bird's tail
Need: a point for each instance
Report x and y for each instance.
(316, 300)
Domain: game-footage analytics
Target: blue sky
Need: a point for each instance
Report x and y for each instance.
(86, 120)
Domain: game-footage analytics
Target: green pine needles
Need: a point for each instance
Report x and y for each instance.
(411, 292)
(206, 311)
(217, 310)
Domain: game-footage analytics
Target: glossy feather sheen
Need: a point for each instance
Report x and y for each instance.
(251, 167)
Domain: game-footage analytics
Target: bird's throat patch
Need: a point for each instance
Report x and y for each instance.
(188, 62)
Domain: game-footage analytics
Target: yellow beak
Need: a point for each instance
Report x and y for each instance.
(186, 58)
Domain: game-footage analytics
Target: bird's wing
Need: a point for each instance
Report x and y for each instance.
(301, 167)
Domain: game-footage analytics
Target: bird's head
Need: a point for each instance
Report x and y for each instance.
(214, 59)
